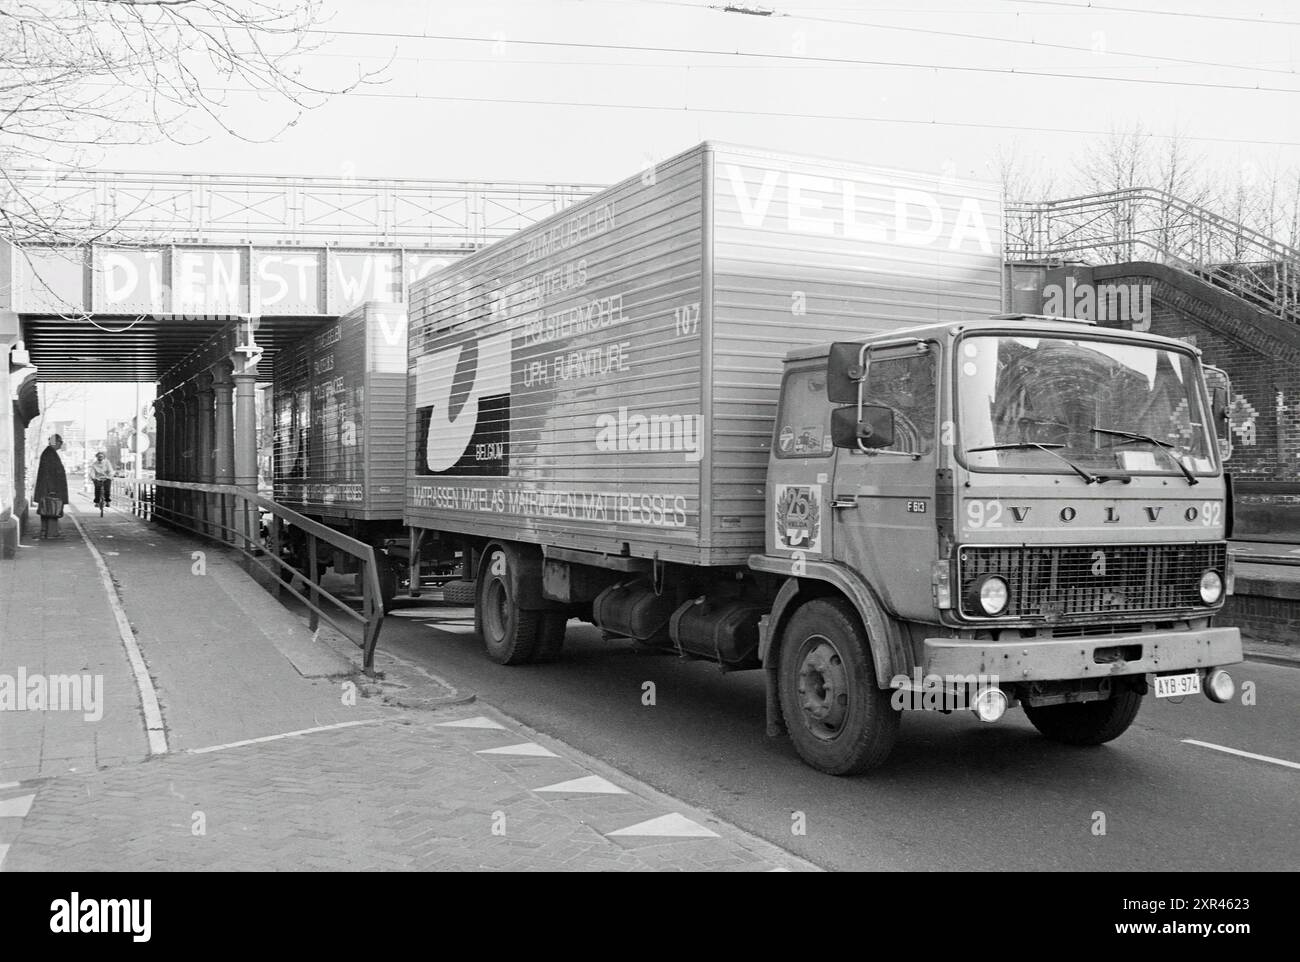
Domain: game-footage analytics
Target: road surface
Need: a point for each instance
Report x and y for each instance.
(956, 793)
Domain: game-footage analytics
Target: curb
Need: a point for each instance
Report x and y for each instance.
(1280, 659)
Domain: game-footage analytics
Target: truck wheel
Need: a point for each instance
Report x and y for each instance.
(839, 720)
(550, 636)
(509, 632)
(458, 593)
(1087, 722)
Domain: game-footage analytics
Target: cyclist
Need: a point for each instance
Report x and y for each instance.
(101, 474)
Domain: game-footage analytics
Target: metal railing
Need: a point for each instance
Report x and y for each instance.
(232, 516)
(1144, 223)
(162, 206)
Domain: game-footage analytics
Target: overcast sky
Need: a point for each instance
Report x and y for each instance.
(451, 108)
(418, 124)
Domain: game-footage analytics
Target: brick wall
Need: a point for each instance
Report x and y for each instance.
(1259, 354)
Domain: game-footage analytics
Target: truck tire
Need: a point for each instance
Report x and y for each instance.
(459, 593)
(840, 721)
(1088, 722)
(509, 632)
(550, 636)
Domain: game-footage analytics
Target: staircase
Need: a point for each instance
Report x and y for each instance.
(1147, 224)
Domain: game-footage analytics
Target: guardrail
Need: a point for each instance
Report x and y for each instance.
(1143, 223)
(232, 516)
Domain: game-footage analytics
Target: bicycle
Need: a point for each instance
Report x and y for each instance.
(102, 493)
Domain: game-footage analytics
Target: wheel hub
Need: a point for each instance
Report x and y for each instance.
(823, 688)
(495, 615)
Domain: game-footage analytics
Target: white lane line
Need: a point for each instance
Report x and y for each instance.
(1238, 751)
(527, 748)
(4, 785)
(16, 807)
(478, 721)
(274, 738)
(674, 825)
(590, 785)
(153, 720)
(4, 850)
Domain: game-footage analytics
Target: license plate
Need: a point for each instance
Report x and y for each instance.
(1171, 686)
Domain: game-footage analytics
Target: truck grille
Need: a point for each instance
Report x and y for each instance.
(1094, 579)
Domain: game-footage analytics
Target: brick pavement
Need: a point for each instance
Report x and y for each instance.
(456, 788)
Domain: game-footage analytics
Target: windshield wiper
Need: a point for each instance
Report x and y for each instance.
(1022, 445)
(1163, 446)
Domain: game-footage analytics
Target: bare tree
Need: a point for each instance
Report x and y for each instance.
(77, 76)
(1118, 161)
(1175, 171)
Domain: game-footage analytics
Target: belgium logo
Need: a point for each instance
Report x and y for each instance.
(798, 517)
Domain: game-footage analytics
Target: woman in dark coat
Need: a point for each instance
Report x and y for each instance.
(51, 482)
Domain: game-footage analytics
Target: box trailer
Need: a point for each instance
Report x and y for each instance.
(607, 379)
(339, 408)
(760, 409)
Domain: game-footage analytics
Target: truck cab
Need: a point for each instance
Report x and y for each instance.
(1011, 512)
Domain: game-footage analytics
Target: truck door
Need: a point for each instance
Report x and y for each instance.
(882, 502)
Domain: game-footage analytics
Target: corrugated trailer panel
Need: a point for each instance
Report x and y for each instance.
(552, 398)
(563, 382)
(340, 417)
(807, 251)
(385, 410)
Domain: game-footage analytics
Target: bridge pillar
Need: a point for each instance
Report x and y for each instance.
(244, 375)
(223, 441)
(164, 427)
(166, 466)
(203, 448)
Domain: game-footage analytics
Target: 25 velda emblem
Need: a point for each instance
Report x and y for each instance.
(798, 517)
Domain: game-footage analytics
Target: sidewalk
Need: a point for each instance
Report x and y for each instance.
(278, 755)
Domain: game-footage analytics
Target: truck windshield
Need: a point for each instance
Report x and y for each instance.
(1105, 407)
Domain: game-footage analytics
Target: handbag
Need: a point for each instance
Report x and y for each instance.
(51, 507)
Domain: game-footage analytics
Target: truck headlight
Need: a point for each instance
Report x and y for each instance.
(1211, 587)
(989, 594)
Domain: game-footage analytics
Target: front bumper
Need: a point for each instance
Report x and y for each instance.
(1058, 659)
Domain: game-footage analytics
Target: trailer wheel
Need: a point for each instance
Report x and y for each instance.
(509, 632)
(839, 720)
(550, 636)
(1088, 722)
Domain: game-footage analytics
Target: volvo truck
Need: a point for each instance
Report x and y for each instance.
(763, 410)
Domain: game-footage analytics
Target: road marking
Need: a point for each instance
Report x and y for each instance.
(273, 738)
(153, 720)
(674, 825)
(526, 748)
(4, 850)
(16, 807)
(478, 721)
(1237, 751)
(4, 785)
(590, 785)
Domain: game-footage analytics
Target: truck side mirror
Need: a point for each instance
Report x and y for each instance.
(1219, 410)
(843, 373)
(875, 429)
(1220, 387)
